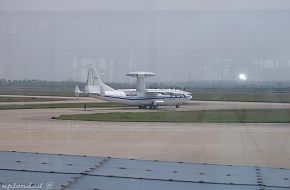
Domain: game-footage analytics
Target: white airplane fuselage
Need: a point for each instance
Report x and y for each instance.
(120, 96)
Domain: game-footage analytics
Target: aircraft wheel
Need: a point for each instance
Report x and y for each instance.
(177, 106)
(140, 107)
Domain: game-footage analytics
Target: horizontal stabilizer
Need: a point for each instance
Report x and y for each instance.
(77, 91)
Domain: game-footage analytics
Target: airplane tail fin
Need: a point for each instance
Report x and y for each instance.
(95, 84)
(93, 78)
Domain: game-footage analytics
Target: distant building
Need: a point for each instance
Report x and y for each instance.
(219, 69)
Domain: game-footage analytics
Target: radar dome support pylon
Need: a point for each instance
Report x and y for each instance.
(140, 84)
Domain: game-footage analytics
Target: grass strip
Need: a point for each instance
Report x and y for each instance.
(61, 105)
(242, 96)
(27, 99)
(37, 92)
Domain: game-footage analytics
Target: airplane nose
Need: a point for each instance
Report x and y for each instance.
(189, 97)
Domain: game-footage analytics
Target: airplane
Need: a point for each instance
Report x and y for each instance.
(141, 97)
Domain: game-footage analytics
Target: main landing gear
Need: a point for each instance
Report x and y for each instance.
(142, 107)
(148, 106)
(152, 106)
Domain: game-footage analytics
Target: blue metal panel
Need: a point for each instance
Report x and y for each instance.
(82, 172)
(46, 162)
(275, 177)
(48, 180)
(178, 171)
(111, 183)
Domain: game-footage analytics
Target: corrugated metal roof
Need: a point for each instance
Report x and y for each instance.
(88, 172)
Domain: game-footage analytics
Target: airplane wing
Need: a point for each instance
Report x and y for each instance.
(77, 91)
(128, 90)
(172, 92)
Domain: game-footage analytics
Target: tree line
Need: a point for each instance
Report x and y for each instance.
(187, 85)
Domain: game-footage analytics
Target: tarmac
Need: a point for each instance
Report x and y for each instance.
(265, 145)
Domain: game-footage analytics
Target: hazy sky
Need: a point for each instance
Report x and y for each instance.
(178, 39)
(93, 5)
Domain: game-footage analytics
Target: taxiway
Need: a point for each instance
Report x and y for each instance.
(33, 130)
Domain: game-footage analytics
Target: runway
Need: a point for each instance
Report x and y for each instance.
(237, 144)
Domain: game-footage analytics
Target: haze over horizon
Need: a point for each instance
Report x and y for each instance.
(179, 40)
